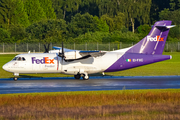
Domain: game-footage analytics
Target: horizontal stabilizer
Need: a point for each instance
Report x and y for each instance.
(167, 27)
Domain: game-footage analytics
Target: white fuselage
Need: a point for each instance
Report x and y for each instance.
(51, 63)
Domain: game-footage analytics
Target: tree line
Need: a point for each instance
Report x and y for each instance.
(84, 21)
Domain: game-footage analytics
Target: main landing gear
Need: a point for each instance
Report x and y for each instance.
(78, 76)
(84, 76)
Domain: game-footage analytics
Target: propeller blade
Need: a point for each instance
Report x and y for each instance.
(62, 52)
(62, 56)
(62, 49)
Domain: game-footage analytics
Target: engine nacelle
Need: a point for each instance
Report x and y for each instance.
(72, 55)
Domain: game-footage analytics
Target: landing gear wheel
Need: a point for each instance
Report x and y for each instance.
(78, 76)
(85, 77)
(15, 78)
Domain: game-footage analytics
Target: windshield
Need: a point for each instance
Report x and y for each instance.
(19, 59)
(15, 58)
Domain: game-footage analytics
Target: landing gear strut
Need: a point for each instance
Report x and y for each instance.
(15, 76)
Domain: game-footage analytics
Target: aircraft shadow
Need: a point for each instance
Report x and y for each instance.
(98, 74)
(29, 76)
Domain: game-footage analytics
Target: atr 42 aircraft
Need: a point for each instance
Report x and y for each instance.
(81, 63)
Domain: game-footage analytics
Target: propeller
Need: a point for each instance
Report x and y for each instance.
(62, 52)
(62, 56)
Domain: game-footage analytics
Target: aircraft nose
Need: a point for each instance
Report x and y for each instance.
(5, 67)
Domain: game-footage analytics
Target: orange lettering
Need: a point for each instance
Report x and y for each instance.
(162, 39)
(46, 60)
(159, 38)
(51, 61)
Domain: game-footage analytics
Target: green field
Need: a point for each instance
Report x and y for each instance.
(165, 68)
(92, 105)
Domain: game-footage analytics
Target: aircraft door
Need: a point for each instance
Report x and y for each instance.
(57, 63)
(62, 65)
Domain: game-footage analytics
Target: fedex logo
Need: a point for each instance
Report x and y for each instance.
(45, 60)
(157, 38)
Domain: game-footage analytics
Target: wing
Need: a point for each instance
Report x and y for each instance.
(92, 53)
(65, 49)
(87, 54)
(73, 55)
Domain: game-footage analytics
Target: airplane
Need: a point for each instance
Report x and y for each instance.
(82, 63)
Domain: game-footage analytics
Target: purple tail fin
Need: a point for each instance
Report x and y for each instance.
(155, 41)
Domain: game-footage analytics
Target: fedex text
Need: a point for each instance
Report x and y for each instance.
(157, 38)
(45, 60)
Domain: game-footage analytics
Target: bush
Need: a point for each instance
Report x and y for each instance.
(4, 36)
(144, 29)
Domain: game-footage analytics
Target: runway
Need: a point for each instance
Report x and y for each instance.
(32, 85)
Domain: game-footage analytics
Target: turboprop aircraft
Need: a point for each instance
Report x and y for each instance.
(82, 63)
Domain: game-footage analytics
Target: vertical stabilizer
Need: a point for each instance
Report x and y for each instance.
(155, 41)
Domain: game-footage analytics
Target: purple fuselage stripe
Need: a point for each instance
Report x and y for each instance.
(131, 60)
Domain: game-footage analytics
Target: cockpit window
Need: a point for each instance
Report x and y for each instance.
(15, 58)
(19, 59)
(23, 59)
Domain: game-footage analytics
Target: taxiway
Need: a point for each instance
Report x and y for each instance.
(32, 85)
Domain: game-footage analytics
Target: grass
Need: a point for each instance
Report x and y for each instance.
(165, 68)
(125, 104)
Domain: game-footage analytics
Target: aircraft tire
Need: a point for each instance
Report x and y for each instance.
(85, 77)
(78, 76)
(15, 78)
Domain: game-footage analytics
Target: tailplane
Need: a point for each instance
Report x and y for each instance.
(155, 41)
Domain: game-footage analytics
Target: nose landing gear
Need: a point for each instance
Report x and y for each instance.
(15, 78)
